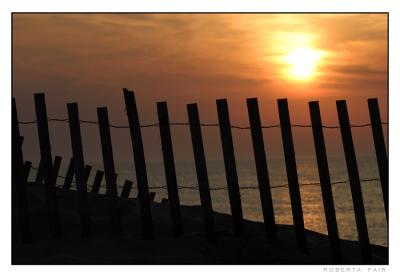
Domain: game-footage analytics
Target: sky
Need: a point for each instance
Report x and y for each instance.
(198, 58)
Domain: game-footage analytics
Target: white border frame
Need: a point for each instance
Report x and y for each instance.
(7, 7)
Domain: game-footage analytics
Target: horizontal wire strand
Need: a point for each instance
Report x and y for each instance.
(242, 187)
(202, 124)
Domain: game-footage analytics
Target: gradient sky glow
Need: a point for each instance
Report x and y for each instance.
(186, 58)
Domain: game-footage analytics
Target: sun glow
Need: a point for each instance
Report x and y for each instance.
(302, 63)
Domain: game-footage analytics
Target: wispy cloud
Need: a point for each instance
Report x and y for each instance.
(183, 58)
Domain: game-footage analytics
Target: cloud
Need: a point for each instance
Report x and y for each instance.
(186, 58)
(362, 70)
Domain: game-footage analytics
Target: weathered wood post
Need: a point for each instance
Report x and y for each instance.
(70, 174)
(80, 178)
(27, 170)
(354, 179)
(325, 181)
(109, 170)
(97, 181)
(88, 169)
(141, 172)
(201, 171)
(21, 142)
(19, 197)
(291, 170)
(40, 173)
(126, 189)
(230, 166)
(56, 168)
(169, 167)
(46, 158)
(261, 167)
(380, 150)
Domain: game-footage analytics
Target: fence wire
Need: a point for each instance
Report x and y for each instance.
(217, 125)
(202, 124)
(241, 188)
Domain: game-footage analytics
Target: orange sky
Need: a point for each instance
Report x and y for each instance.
(185, 58)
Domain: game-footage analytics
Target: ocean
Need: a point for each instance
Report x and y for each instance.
(310, 194)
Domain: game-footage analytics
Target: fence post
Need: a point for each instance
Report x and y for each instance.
(19, 197)
(76, 142)
(70, 174)
(109, 170)
(261, 167)
(141, 173)
(126, 189)
(354, 179)
(291, 170)
(201, 171)
(169, 167)
(230, 166)
(380, 150)
(88, 169)
(27, 169)
(97, 181)
(46, 159)
(21, 142)
(56, 168)
(325, 180)
(39, 174)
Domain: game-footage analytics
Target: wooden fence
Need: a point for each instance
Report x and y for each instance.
(48, 171)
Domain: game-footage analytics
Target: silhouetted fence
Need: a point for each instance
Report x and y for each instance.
(48, 170)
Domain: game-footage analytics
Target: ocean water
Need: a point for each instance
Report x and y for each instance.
(311, 197)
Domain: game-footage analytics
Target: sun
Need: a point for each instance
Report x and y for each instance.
(302, 63)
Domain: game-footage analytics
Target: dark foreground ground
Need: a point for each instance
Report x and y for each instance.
(192, 248)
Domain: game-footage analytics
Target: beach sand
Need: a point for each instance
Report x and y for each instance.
(191, 248)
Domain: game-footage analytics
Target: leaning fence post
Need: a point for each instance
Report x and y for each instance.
(21, 141)
(380, 150)
(56, 168)
(19, 197)
(88, 169)
(70, 174)
(291, 170)
(76, 142)
(325, 181)
(27, 169)
(230, 166)
(261, 167)
(201, 171)
(46, 158)
(140, 164)
(97, 181)
(109, 170)
(354, 179)
(39, 173)
(169, 167)
(126, 189)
